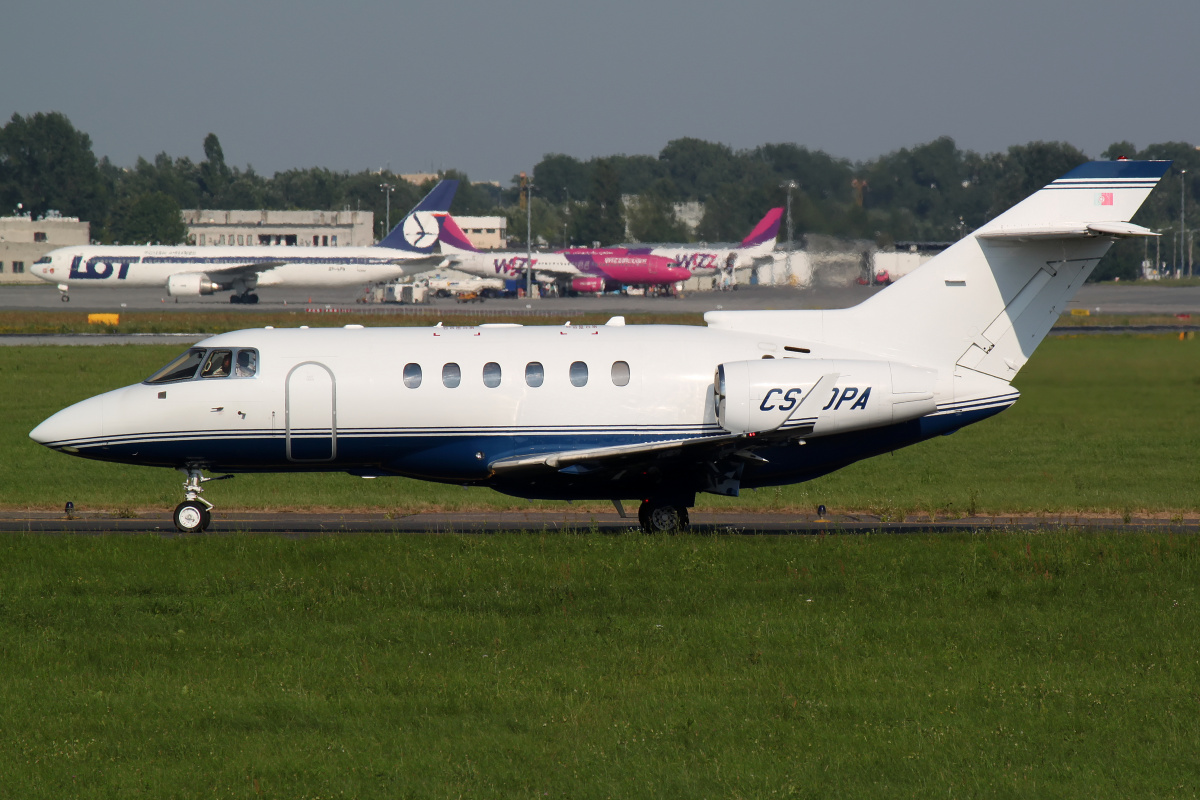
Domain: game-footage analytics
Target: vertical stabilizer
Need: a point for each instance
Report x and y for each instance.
(985, 303)
(418, 232)
(762, 239)
(453, 239)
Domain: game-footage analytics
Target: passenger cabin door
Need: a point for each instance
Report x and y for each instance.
(310, 413)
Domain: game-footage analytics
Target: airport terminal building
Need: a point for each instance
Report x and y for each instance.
(24, 240)
(212, 228)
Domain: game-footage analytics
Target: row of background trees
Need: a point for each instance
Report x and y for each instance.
(931, 192)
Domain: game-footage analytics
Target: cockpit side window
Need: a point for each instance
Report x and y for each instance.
(218, 365)
(247, 364)
(182, 368)
(44, 260)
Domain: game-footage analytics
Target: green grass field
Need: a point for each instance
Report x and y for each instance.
(1105, 424)
(1060, 664)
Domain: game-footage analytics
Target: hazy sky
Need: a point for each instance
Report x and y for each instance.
(490, 87)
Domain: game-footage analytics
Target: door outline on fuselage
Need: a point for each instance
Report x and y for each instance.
(287, 412)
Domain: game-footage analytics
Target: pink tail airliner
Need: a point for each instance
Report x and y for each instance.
(590, 269)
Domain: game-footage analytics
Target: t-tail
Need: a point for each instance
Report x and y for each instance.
(761, 240)
(418, 232)
(982, 306)
(453, 239)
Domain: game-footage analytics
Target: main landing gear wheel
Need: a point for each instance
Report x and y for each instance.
(249, 299)
(659, 517)
(191, 517)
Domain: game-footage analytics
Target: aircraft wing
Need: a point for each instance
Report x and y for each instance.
(246, 270)
(694, 449)
(598, 457)
(243, 271)
(426, 262)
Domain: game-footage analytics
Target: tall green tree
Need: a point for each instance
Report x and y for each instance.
(651, 215)
(152, 218)
(46, 164)
(214, 173)
(601, 218)
(560, 178)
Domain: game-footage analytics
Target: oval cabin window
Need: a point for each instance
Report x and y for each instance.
(579, 374)
(620, 373)
(534, 374)
(412, 375)
(491, 374)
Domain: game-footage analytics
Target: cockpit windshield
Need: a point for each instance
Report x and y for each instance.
(44, 260)
(217, 363)
(181, 369)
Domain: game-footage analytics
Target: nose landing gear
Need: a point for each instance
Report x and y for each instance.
(63, 296)
(194, 514)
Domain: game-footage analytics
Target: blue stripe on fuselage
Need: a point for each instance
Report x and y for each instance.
(451, 456)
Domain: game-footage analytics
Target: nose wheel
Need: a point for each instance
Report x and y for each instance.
(191, 517)
(195, 513)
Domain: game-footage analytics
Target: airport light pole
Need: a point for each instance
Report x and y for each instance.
(789, 185)
(387, 189)
(566, 216)
(529, 240)
(1183, 221)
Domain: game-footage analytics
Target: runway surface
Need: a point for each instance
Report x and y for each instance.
(565, 522)
(1098, 298)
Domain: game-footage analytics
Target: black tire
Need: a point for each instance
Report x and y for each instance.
(191, 517)
(235, 299)
(66, 299)
(663, 517)
(252, 299)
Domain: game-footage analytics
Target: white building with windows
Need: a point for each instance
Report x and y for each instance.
(486, 233)
(24, 240)
(211, 228)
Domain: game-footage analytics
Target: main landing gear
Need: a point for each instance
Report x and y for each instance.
(193, 514)
(249, 298)
(661, 516)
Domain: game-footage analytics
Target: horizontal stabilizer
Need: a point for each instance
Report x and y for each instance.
(1079, 230)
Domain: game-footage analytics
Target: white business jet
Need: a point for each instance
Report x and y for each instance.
(654, 412)
(192, 271)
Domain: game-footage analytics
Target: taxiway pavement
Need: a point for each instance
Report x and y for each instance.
(565, 521)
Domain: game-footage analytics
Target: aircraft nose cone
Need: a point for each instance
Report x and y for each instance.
(66, 428)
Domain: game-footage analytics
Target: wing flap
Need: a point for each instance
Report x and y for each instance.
(233, 270)
(609, 455)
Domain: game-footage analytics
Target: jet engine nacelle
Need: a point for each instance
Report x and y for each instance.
(191, 284)
(773, 394)
(587, 285)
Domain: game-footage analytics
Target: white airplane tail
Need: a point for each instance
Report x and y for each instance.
(985, 303)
